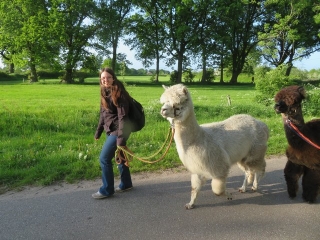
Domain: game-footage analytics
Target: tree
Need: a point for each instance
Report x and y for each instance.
(183, 21)
(7, 57)
(316, 9)
(205, 43)
(73, 26)
(91, 63)
(285, 37)
(146, 33)
(111, 19)
(25, 34)
(239, 23)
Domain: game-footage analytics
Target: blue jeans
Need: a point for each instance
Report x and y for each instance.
(107, 154)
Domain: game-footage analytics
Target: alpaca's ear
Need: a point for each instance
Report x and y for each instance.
(302, 92)
(165, 87)
(185, 91)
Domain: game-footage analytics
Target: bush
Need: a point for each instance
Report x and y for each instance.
(48, 74)
(209, 77)
(174, 76)
(188, 76)
(3, 76)
(312, 102)
(269, 82)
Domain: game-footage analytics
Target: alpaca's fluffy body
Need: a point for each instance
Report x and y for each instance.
(303, 158)
(209, 150)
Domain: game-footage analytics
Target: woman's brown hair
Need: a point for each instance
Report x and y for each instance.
(117, 90)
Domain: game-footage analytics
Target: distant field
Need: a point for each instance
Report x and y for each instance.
(47, 128)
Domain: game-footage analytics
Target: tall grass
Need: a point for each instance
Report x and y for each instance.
(47, 129)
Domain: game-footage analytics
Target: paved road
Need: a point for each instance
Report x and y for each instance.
(154, 209)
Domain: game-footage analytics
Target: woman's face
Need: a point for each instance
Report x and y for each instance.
(106, 79)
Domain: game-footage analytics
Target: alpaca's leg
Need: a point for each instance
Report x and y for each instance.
(292, 173)
(257, 178)
(310, 184)
(251, 175)
(243, 188)
(218, 186)
(248, 176)
(254, 170)
(197, 182)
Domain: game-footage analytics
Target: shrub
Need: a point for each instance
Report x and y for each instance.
(48, 74)
(3, 76)
(173, 76)
(188, 76)
(209, 77)
(311, 104)
(269, 82)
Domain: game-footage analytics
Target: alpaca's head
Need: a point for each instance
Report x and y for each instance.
(288, 100)
(176, 103)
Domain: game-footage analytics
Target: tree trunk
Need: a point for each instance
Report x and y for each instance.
(204, 73)
(157, 67)
(289, 68)
(235, 71)
(114, 59)
(221, 69)
(289, 63)
(114, 54)
(179, 77)
(68, 75)
(11, 68)
(33, 73)
(234, 77)
(204, 68)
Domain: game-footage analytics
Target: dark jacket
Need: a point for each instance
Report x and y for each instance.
(114, 121)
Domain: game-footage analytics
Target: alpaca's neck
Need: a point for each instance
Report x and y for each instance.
(293, 138)
(296, 118)
(187, 130)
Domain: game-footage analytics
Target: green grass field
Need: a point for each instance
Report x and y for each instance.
(47, 129)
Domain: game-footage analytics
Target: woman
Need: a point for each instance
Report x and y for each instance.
(114, 121)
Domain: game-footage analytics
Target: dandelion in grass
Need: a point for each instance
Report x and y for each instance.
(80, 155)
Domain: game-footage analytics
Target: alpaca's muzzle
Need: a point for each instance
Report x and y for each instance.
(280, 107)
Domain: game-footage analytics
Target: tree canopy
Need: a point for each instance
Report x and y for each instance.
(216, 34)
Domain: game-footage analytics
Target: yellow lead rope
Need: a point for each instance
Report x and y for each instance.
(124, 154)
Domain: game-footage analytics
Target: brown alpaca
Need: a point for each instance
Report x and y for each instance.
(303, 152)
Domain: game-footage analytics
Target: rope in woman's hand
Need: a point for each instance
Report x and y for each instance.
(124, 154)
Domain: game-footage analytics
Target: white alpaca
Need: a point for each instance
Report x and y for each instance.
(209, 150)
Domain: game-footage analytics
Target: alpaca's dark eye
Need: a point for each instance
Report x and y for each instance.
(281, 103)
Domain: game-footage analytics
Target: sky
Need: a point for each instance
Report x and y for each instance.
(313, 62)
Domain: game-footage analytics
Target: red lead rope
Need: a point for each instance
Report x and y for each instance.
(296, 130)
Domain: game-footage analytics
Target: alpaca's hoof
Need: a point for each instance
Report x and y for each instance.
(242, 190)
(189, 206)
(254, 189)
(229, 196)
(309, 199)
(292, 195)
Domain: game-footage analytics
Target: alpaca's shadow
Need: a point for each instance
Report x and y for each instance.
(272, 191)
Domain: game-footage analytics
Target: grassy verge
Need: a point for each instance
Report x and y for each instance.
(47, 129)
